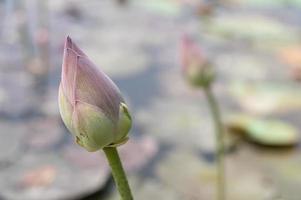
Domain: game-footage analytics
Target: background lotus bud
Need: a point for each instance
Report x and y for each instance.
(195, 66)
(91, 105)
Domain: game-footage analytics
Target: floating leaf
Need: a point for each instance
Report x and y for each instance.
(272, 133)
(262, 131)
(268, 3)
(161, 6)
(260, 3)
(266, 98)
(253, 27)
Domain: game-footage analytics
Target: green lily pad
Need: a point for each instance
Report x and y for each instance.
(164, 7)
(253, 27)
(266, 98)
(272, 133)
(262, 131)
(268, 3)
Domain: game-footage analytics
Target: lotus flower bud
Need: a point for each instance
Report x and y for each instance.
(90, 104)
(195, 66)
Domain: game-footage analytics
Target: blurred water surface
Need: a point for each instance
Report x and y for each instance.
(254, 45)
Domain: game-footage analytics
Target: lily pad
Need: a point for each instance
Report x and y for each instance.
(42, 176)
(255, 28)
(266, 98)
(165, 7)
(268, 3)
(272, 133)
(262, 131)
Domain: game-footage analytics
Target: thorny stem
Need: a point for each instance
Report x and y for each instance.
(118, 173)
(220, 149)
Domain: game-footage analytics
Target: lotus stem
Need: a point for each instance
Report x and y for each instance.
(118, 173)
(220, 149)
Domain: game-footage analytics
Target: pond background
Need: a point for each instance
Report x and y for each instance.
(255, 47)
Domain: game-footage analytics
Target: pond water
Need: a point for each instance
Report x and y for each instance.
(255, 47)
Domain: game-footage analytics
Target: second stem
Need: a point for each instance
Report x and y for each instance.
(220, 149)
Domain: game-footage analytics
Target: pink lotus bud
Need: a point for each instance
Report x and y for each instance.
(91, 105)
(195, 65)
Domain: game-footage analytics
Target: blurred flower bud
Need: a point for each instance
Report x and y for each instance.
(205, 8)
(195, 66)
(91, 105)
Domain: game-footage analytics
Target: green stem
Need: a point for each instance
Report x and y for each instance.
(220, 149)
(118, 173)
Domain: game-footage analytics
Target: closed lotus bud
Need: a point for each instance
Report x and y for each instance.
(196, 68)
(90, 104)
